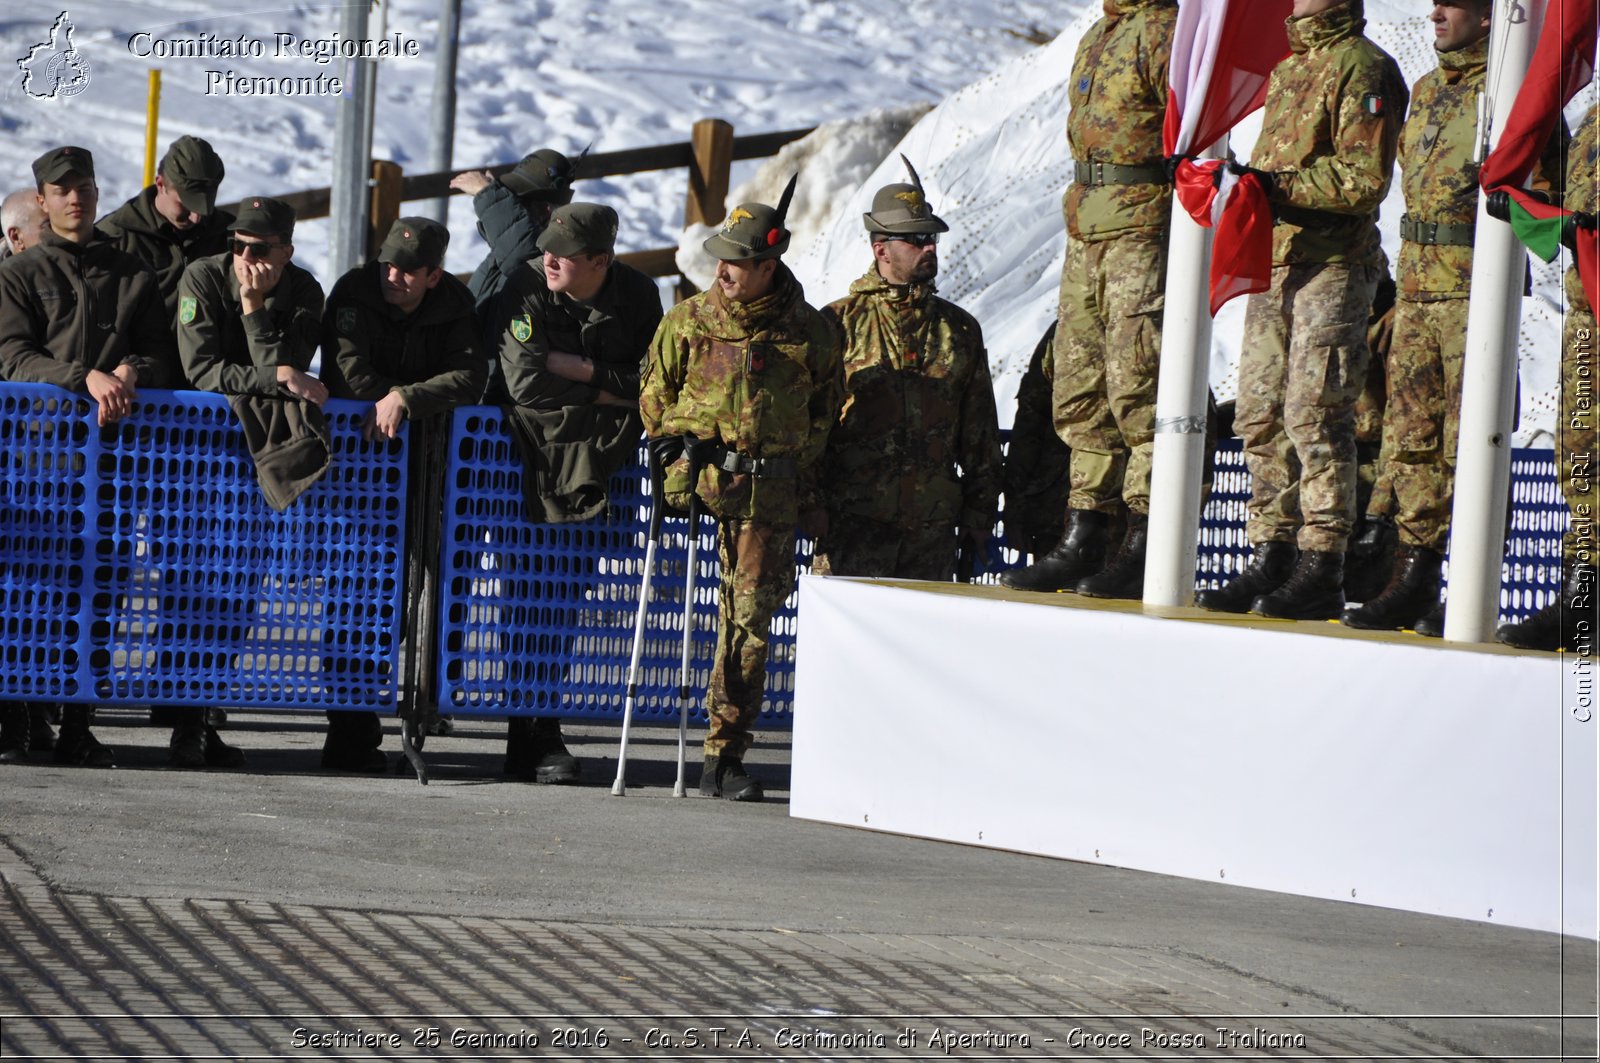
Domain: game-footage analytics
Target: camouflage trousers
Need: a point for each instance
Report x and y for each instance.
(1302, 365)
(856, 546)
(757, 575)
(1423, 417)
(1576, 437)
(1107, 350)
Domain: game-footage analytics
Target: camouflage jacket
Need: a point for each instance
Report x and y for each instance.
(1439, 176)
(1583, 189)
(760, 378)
(430, 356)
(1329, 132)
(919, 406)
(227, 351)
(67, 308)
(1119, 101)
(139, 229)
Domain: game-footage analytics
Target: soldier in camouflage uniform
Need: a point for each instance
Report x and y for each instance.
(1439, 175)
(751, 374)
(1108, 344)
(1576, 438)
(914, 463)
(1326, 152)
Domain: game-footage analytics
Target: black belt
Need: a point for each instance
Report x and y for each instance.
(1085, 172)
(732, 461)
(1448, 234)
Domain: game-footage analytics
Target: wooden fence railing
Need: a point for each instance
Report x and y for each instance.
(708, 155)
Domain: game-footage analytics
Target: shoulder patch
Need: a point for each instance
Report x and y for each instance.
(187, 308)
(522, 328)
(1372, 104)
(345, 320)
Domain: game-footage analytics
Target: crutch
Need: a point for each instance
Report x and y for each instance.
(655, 461)
(696, 450)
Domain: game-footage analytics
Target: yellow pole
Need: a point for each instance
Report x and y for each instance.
(152, 113)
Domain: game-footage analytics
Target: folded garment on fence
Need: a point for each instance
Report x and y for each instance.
(569, 456)
(289, 442)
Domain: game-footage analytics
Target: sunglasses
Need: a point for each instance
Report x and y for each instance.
(916, 239)
(253, 249)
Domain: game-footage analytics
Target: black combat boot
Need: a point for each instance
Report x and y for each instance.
(725, 776)
(76, 745)
(352, 743)
(1123, 577)
(551, 761)
(1270, 564)
(14, 724)
(1432, 625)
(1369, 559)
(40, 738)
(1412, 591)
(1081, 551)
(187, 749)
(1543, 630)
(1314, 592)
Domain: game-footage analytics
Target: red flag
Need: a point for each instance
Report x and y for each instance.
(1222, 53)
(1563, 62)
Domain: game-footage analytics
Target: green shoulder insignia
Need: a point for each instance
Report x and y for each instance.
(522, 329)
(345, 320)
(187, 308)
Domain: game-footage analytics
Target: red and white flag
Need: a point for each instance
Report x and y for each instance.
(1222, 54)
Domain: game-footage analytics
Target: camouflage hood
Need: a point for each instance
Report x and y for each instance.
(1471, 62)
(897, 296)
(1118, 8)
(1310, 32)
(739, 321)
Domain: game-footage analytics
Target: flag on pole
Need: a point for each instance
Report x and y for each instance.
(1563, 63)
(1222, 53)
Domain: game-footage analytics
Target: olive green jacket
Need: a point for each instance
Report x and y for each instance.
(224, 350)
(139, 229)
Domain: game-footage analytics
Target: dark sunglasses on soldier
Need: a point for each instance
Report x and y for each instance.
(253, 249)
(917, 239)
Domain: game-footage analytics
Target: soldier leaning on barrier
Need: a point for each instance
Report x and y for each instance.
(22, 220)
(752, 375)
(512, 211)
(1330, 129)
(174, 221)
(401, 334)
(1108, 344)
(78, 313)
(913, 465)
(574, 328)
(1567, 621)
(1439, 176)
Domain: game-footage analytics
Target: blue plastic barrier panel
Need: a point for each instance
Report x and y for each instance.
(177, 583)
(538, 619)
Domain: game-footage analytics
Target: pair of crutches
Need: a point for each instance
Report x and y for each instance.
(658, 458)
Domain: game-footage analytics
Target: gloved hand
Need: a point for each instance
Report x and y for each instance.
(1578, 219)
(1170, 164)
(664, 450)
(1498, 205)
(1268, 183)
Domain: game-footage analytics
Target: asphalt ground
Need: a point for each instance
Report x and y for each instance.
(281, 912)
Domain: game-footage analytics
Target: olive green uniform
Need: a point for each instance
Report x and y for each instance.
(1329, 135)
(230, 352)
(915, 458)
(763, 382)
(1118, 207)
(139, 229)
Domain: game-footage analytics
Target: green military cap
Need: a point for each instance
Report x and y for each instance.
(413, 243)
(903, 209)
(546, 175)
(53, 165)
(580, 229)
(753, 231)
(264, 217)
(191, 169)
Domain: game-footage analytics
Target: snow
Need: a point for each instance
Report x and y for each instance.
(566, 73)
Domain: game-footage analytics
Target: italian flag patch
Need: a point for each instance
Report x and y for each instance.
(1372, 104)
